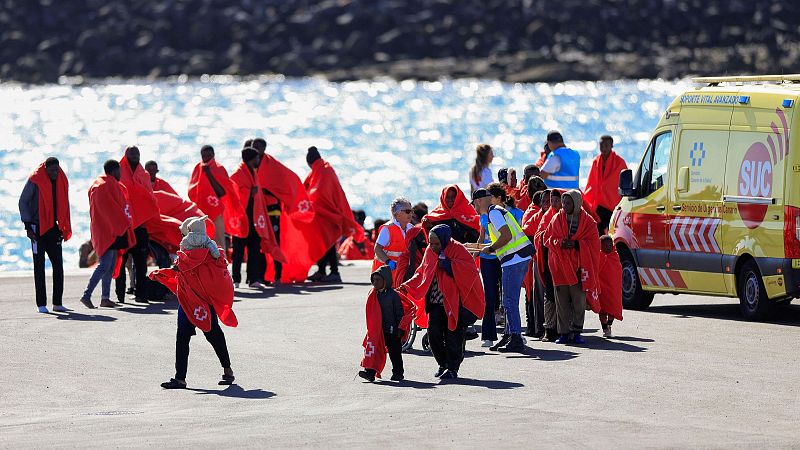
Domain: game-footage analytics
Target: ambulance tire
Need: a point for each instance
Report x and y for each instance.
(753, 300)
(633, 296)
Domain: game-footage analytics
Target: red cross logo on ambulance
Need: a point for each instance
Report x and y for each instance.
(756, 171)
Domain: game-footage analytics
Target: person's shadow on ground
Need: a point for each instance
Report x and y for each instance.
(488, 384)
(72, 315)
(236, 391)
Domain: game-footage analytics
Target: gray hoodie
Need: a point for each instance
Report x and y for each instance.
(389, 300)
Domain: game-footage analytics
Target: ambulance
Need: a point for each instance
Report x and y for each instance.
(714, 205)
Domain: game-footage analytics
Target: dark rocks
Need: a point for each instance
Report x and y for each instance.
(512, 40)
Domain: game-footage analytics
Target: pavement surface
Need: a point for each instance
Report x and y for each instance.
(687, 372)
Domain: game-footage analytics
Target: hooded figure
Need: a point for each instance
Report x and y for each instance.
(389, 316)
(194, 234)
(574, 251)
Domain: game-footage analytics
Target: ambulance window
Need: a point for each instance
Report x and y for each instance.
(658, 174)
(642, 179)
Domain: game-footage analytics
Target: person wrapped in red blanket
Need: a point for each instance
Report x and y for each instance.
(455, 211)
(534, 301)
(333, 217)
(158, 183)
(204, 289)
(112, 231)
(610, 284)
(551, 204)
(351, 250)
(389, 316)
(450, 283)
(211, 189)
(602, 186)
(574, 249)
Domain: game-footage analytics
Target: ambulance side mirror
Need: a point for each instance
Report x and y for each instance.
(626, 183)
(683, 179)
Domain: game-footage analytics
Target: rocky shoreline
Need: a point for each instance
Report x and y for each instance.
(509, 40)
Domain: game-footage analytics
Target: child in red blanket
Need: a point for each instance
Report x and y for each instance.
(610, 285)
(389, 315)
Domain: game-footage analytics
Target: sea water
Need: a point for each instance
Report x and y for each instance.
(384, 138)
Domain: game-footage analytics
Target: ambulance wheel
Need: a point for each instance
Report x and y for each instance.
(426, 343)
(753, 300)
(412, 334)
(633, 296)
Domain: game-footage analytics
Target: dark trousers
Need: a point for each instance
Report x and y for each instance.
(276, 228)
(490, 272)
(185, 332)
(537, 306)
(49, 244)
(256, 261)
(605, 220)
(139, 253)
(447, 346)
(329, 258)
(395, 352)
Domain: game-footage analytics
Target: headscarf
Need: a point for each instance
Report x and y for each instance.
(577, 199)
(444, 233)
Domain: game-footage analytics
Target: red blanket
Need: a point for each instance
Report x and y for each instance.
(140, 192)
(42, 181)
(463, 288)
(202, 193)
(462, 211)
(610, 284)
(374, 344)
(201, 281)
(602, 186)
(565, 264)
(175, 206)
(166, 231)
(543, 219)
(286, 186)
(109, 213)
(349, 251)
(162, 185)
(238, 222)
(530, 220)
(521, 198)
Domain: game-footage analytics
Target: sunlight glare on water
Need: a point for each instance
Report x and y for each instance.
(385, 138)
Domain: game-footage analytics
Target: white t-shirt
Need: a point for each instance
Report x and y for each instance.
(486, 178)
(383, 235)
(552, 165)
(497, 219)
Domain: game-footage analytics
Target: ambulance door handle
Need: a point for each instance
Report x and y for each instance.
(676, 207)
(660, 208)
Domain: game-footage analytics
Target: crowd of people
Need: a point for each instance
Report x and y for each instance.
(468, 259)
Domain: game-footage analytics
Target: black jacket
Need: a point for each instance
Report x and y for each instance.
(389, 300)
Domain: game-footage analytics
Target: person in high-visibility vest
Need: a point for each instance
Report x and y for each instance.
(563, 165)
(514, 250)
(391, 242)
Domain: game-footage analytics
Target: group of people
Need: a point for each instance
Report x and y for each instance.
(469, 259)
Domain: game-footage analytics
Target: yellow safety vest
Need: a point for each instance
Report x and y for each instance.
(519, 242)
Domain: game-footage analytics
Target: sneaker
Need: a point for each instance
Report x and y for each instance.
(43, 309)
(607, 332)
(316, 276)
(563, 339)
(257, 285)
(578, 340)
(331, 278)
(60, 308)
(471, 334)
(487, 343)
(87, 303)
(397, 377)
(503, 341)
(449, 375)
(106, 303)
(440, 372)
(236, 285)
(515, 345)
(368, 375)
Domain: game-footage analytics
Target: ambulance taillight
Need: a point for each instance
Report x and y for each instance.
(791, 232)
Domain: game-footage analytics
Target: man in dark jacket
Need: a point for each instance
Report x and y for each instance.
(391, 315)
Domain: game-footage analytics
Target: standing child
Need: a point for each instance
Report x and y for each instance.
(389, 316)
(610, 285)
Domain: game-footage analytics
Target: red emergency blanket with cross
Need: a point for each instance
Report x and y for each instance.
(374, 344)
(200, 281)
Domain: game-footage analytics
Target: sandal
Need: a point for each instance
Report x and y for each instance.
(227, 380)
(173, 384)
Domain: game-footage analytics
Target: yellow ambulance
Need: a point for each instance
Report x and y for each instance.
(714, 206)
